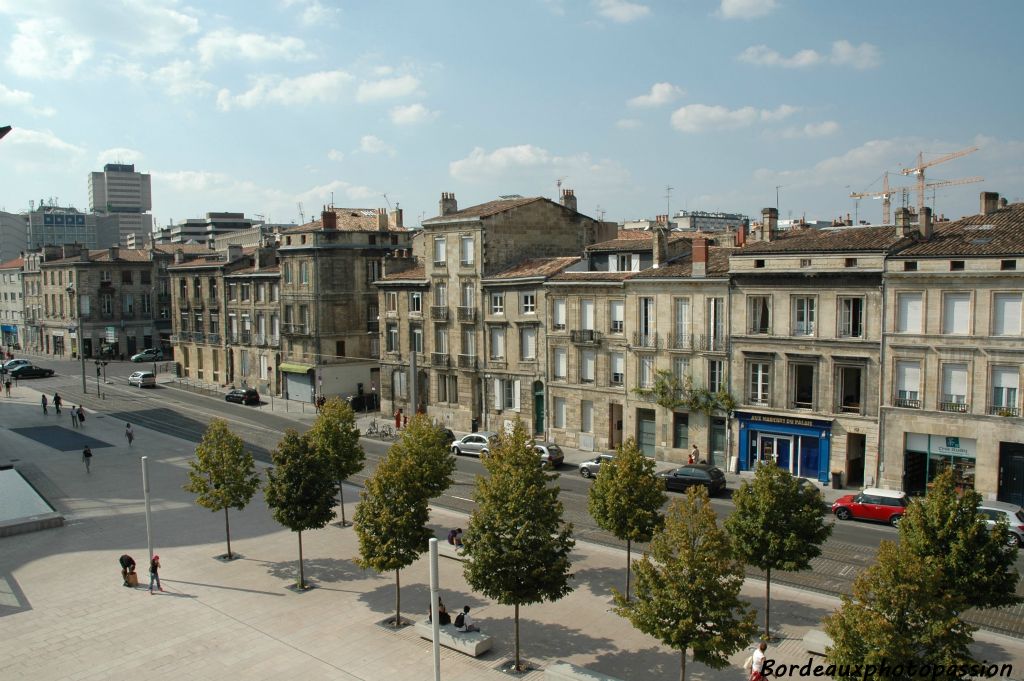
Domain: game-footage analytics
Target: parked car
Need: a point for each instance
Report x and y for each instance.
(148, 355)
(477, 444)
(590, 468)
(680, 479)
(12, 364)
(873, 503)
(449, 436)
(243, 396)
(994, 511)
(30, 371)
(143, 379)
(365, 402)
(551, 455)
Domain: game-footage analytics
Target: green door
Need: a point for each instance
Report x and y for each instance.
(645, 432)
(538, 407)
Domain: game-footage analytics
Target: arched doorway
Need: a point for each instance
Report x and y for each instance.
(538, 407)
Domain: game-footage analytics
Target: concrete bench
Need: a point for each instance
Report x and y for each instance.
(448, 550)
(816, 640)
(564, 671)
(474, 643)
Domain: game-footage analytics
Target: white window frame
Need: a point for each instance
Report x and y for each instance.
(440, 251)
(617, 368)
(466, 251)
(496, 341)
(528, 302)
(588, 365)
(951, 385)
(558, 314)
(1006, 314)
(617, 316)
(498, 303)
(759, 315)
(588, 314)
(956, 313)
(560, 363)
(645, 371)
(909, 312)
(528, 343)
(804, 315)
(415, 302)
(558, 412)
(847, 328)
(759, 382)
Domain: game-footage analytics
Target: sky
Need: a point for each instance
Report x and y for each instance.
(257, 106)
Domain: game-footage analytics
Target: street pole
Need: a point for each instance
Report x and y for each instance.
(81, 356)
(145, 491)
(435, 621)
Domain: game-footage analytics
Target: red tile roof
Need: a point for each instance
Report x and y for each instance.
(417, 273)
(484, 209)
(349, 220)
(12, 264)
(536, 267)
(718, 265)
(632, 239)
(999, 233)
(811, 240)
(593, 276)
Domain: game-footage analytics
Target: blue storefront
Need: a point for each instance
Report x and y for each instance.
(801, 446)
(10, 334)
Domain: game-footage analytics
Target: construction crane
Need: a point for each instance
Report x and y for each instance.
(887, 192)
(385, 195)
(921, 165)
(302, 214)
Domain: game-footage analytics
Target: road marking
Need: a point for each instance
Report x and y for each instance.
(459, 498)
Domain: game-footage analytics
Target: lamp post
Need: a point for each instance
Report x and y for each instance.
(72, 300)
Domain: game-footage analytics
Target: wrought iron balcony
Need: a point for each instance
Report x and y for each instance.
(199, 337)
(907, 403)
(956, 407)
(373, 326)
(439, 313)
(645, 340)
(680, 341)
(467, 314)
(704, 343)
(467, 361)
(1000, 410)
(246, 337)
(439, 359)
(585, 336)
(213, 338)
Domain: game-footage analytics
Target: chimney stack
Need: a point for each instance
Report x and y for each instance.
(741, 235)
(659, 240)
(849, 221)
(395, 219)
(382, 220)
(114, 251)
(989, 202)
(179, 256)
(924, 223)
(569, 199)
(769, 223)
(700, 258)
(234, 252)
(903, 227)
(448, 203)
(328, 218)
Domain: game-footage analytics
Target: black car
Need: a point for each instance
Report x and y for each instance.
(243, 396)
(364, 402)
(681, 478)
(31, 371)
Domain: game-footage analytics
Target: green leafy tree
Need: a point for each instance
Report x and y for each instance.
(335, 437)
(688, 596)
(424, 443)
(899, 612)
(391, 519)
(778, 524)
(517, 543)
(300, 489)
(627, 497)
(223, 475)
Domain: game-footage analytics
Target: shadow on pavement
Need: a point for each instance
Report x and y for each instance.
(323, 571)
(601, 581)
(649, 663)
(539, 640)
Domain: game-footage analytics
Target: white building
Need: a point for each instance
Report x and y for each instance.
(12, 302)
(204, 230)
(703, 221)
(121, 198)
(13, 231)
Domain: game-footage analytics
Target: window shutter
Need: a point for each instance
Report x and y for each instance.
(636, 263)
(954, 379)
(515, 395)
(498, 395)
(613, 263)
(1007, 314)
(587, 314)
(909, 313)
(956, 313)
(1005, 377)
(908, 376)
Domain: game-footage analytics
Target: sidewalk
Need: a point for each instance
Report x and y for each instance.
(64, 615)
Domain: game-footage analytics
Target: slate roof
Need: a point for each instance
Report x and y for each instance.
(484, 209)
(632, 239)
(810, 240)
(349, 220)
(999, 233)
(418, 273)
(718, 266)
(536, 267)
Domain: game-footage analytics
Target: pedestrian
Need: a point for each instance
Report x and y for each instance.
(757, 663)
(87, 458)
(45, 402)
(57, 402)
(74, 417)
(7, 385)
(154, 574)
(81, 417)
(127, 568)
(464, 622)
(695, 454)
(129, 434)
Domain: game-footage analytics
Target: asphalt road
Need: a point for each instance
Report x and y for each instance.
(184, 414)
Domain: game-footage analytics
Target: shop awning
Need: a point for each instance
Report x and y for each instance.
(8, 328)
(292, 368)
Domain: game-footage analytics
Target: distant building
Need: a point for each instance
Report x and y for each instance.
(121, 199)
(698, 220)
(12, 300)
(57, 226)
(13, 232)
(204, 230)
(257, 235)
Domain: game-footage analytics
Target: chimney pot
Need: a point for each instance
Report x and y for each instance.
(569, 199)
(328, 219)
(448, 205)
(989, 202)
(924, 223)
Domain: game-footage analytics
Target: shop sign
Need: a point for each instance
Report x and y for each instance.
(782, 420)
(947, 445)
(111, 336)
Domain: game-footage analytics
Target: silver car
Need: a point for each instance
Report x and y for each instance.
(589, 468)
(476, 444)
(143, 379)
(994, 511)
(551, 455)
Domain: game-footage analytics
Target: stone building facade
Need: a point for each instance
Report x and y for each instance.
(12, 304)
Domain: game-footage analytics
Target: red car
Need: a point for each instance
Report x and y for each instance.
(880, 505)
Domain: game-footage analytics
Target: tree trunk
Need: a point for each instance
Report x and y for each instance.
(767, 604)
(682, 666)
(398, 599)
(629, 543)
(227, 530)
(302, 576)
(517, 639)
(341, 500)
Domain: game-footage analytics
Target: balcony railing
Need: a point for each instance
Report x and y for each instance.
(467, 314)
(274, 341)
(956, 407)
(704, 343)
(585, 336)
(246, 337)
(646, 340)
(295, 330)
(467, 361)
(373, 326)
(213, 338)
(907, 403)
(1000, 410)
(439, 313)
(758, 401)
(439, 359)
(199, 337)
(850, 408)
(497, 363)
(680, 341)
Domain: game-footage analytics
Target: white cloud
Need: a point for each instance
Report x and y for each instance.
(227, 44)
(762, 55)
(627, 123)
(322, 86)
(823, 129)
(371, 144)
(20, 98)
(41, 139)
(181, 79)
(387, 88)
(411, 115)
(621, 11)
(43, 48)
(523, 164)
(335, 155)
(700, 117)
(746, 9)
(313, 12)
(661, 93)
(321, 194)
(863, 56)
(119, 155)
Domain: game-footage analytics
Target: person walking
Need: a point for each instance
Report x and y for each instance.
(45, 402)
(695, 454)
(7, 385)
(81, 417)
(74, 417)
(87, 458)
(57, 402)
(129, 434)
(154, 574)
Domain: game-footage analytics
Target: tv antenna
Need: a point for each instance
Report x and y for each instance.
(668, 199)
(558, 187)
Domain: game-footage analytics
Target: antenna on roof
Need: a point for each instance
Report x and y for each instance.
(302, 214)
(385, 195)
(668, 200)
(600, 212)
(332, 200)
(558, 187)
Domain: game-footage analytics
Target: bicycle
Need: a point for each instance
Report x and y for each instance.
(373, 430)
(387, 432)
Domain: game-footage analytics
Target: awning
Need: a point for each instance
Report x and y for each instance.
(289, 367)
(8, 328)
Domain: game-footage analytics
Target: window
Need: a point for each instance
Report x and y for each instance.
(558, 412)
(757, 382)
(197, 292)
(286, 270)
(211, 289)
(304, 318)
(126, 276)
(802, 386)
(528, 303)
(147, 306)
(1006, 307)
(104, 275)
(618, 368)
(716, 323)
(680, 431)
(617, 316)
(1006, 265)
(275, 293)
(245, 291)
(805, 262)
(622, 262)
(586, 416)
(399, 384)
(466, 251)
(448, 389)
(391, 301)
(232, 291)
(560, 363)
(588, 366)
(956, 314)
(681, 369)
(468, 347)
(956, 265)
(440, 256)
(372, 271)
(803, 316)
(587, 314)
(84, 305)
(416, 338)
(467, 296)
(681, 322)
(908, 313)
(759, 264)
(497, 342)
(954, 388)
(851, 317)
(1005, 382)
(558, 314)
(910, 266)
(415, 302)
(127, 305)
(908, 384)
(851, 262)
(441, 294)
(716, 374)
(497, 303)
(850, 389)
(441, 340)
(528, 343)
(506, 394)
(646, 322)
(646, 371)
(261, 293)
(759, 314)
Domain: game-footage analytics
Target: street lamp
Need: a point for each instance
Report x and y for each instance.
(79, 333)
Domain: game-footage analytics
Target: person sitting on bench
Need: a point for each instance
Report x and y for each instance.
(464, 621)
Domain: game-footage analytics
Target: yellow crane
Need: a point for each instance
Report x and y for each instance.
(922, 164)
(887, 192)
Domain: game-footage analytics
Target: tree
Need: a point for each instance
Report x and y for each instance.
(899, 612)
(424, 443)
(627, 497)
(300, 489)
(391, 519)
(778, 524)
(335, 437)
(688, 596)
(516, 543)
(223, 475)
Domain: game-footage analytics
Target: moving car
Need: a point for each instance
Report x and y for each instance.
(477, 444)
(551, 455)
(243, 396)
(994, 511)
(30, 371)
(680, 479)
(148, 355)
(873, 503)
(590, 468)
(11, 364)
(143, 379)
